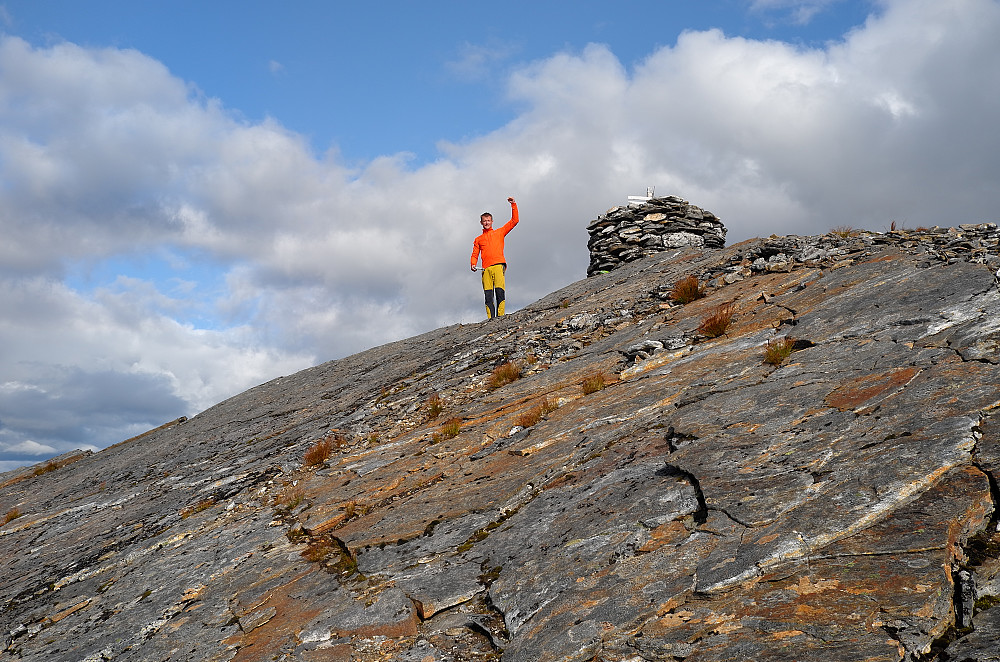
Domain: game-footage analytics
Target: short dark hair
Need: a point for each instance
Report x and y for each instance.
(485, 214)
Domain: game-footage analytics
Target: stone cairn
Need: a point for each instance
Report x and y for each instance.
(634, 231)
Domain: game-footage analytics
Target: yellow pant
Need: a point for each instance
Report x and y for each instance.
(493, 287)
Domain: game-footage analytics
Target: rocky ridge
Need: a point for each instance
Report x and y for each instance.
(639, 489)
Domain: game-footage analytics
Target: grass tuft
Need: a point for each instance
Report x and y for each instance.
(987, 602)
(45, 468)
(435, 405)
(844, 231)
(778, 350)
(449, 430)
(504, 374)
(528, 418)
(594, 382)
(687, 290)
(204, 504)
(717, 323)
(535, 414)
(319, 452)
(11, 515)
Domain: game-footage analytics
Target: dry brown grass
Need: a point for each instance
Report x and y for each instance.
(778, 350)
(844, 231)
(451, 427)
(717, 322)
(435, 405)
(11, 515)
(449, 430)
(528, 418)
(204, 504)
(319, 452)
(504, 374)
(535, 414)
(45, 468)
(594, 382)
(687, 290)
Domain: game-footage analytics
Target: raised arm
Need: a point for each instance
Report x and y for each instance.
(514, 219)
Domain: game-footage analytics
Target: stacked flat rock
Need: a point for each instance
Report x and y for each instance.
(632, 232)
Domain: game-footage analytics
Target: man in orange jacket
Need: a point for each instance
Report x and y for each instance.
(490, 244)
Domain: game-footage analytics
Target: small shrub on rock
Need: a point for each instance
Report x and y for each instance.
(204, 504)
(351, 509)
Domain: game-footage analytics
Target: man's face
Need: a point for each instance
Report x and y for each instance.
(486, 222)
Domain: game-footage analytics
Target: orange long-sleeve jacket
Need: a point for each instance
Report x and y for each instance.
(490, 242)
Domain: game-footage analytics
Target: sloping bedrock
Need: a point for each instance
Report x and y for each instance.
(878, 594)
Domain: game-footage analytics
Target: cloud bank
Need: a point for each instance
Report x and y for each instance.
(272, 257)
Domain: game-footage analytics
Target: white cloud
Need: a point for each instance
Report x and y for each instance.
(103, 152)
(29, 447)
(82, 372)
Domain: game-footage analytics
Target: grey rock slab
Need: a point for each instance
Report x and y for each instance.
(551, 548)
(981, 644)
(441, 584)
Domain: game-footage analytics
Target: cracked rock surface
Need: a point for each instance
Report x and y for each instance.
(636, 490)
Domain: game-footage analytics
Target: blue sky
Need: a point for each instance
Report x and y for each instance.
(374, 78)
(196, 197)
